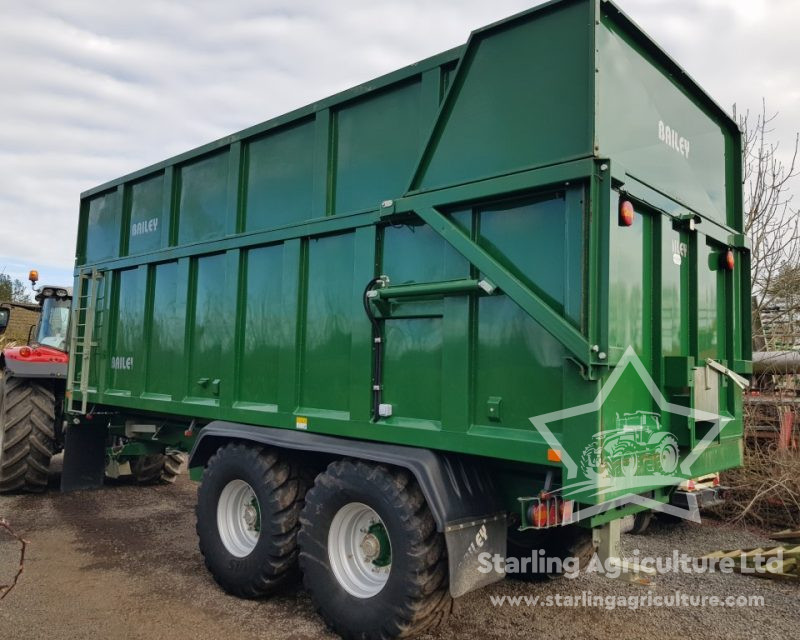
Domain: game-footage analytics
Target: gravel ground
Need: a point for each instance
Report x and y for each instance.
(123, 562)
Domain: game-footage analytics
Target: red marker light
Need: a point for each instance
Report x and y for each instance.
(626, 213)
(539, 514)
(730, 260)
(25, 352)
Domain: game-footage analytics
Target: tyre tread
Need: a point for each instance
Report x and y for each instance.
(427, 603)
(283, 511)
(29, 439)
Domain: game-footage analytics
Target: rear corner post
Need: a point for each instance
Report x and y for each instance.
(608, 545)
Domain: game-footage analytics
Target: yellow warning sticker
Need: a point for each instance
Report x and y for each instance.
(301, 423)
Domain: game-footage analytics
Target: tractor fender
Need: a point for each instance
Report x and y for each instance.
(22, 369)
(459, 490)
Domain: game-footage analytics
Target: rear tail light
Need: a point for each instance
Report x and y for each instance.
(716, 480)
(626, 213)
(25, 352)
(540, 515)
(729, 261)
(691, 485)
(549, 510)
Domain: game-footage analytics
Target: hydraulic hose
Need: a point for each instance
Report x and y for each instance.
(377, 351)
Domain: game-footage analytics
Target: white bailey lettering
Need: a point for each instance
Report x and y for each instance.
(146, 226)
(673, 139)
(122, 363)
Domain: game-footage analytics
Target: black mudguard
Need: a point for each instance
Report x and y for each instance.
(84, 457)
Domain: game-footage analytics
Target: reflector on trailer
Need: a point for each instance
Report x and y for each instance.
(626, 213)
(553, 455)
(730, 260)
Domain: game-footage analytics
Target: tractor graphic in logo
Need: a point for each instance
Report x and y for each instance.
(636, 446)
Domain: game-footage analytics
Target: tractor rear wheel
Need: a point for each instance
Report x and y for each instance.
(641, 522)
(158, 468)
(27, 434)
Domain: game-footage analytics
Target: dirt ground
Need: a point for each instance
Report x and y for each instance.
(123, 562)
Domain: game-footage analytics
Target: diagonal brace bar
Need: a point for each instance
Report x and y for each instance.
(532, 304)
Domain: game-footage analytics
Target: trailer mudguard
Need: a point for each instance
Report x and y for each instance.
(459, 491)
(84, 457)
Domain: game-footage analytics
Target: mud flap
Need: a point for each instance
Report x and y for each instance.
(84, 457)
(471, 546)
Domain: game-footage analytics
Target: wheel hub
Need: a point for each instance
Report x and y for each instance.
(370, 547)
(238, 518)
(250, 517)
(359, 550)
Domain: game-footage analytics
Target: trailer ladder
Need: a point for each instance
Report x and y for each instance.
(82, 342)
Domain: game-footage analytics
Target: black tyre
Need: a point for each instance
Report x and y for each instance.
(159, 468)
(372, 560)
(641, 522)
(27, 434)
(248, 507)
(570, 541)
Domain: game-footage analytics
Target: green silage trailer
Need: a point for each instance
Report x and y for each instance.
(485, 304)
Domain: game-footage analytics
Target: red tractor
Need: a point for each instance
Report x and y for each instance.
(32, 392)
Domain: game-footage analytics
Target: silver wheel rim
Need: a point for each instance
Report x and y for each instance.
(238, 518)
(354, 549)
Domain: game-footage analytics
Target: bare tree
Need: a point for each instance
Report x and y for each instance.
(772, 222)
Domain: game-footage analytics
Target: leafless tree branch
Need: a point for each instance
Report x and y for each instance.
(772, 222)
(23, 545)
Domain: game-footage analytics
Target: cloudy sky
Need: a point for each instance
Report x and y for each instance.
(91, 89)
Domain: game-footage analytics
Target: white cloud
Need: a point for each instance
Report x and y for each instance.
(94, 90)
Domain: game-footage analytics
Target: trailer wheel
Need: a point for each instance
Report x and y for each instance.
(571, 541)
(157, 468)
(248, 508)
(27, 434)
(641, 522)
(371, 557)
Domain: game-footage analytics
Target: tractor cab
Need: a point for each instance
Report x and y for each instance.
(45, 355)
(54, 321)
